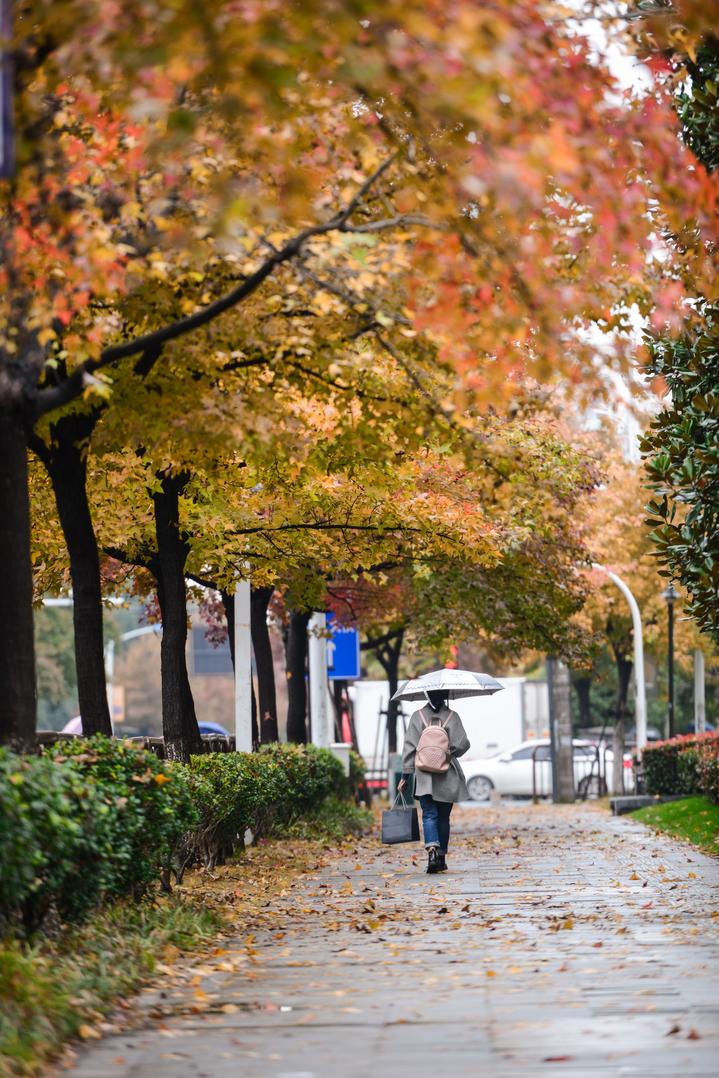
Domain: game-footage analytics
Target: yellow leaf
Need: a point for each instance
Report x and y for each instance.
(88, 1033)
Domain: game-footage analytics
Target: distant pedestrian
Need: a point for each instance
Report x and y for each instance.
(435, 738)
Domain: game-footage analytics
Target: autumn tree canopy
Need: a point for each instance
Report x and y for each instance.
(176, 168)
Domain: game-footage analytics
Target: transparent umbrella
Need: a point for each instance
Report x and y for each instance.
(456, 683)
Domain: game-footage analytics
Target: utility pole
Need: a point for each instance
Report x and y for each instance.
(700, 707)
(243, 667)
(560, 727)
(320, 733)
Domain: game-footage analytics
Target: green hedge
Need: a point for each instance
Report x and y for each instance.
(87, 820)
(684, 765)
(235, 792)
(93, 819)
(708, 769)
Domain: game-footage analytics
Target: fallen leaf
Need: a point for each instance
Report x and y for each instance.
(88, 1033)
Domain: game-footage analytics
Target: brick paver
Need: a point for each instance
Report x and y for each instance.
(562, 942)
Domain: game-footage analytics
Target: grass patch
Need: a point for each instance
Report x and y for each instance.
(59, 989)
(694, 819)
(333, 818)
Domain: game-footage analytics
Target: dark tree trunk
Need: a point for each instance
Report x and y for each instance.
(179, 722)
(263, 661)
(624, 673)
(65, 461)
(388, 654)
(17, 645)
(228, 602)
(583, 687)
(296, 658)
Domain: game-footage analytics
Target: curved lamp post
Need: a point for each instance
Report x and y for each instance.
(641, 692)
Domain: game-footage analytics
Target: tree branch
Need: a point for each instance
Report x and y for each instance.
(151, 343)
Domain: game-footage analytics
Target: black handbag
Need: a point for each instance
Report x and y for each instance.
(400, 824)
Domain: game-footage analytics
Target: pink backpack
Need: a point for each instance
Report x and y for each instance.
(433, 747)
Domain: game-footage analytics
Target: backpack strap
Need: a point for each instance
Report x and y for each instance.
(428, 721)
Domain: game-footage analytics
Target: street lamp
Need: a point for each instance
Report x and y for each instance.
(670, 596)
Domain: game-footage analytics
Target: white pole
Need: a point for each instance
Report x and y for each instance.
(700, 707)
(110, 677)
(317, 652)
(243, 668)
(640, 686)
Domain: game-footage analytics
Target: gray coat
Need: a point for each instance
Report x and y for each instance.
(451, 785)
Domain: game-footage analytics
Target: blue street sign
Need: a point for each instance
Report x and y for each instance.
(343, 652)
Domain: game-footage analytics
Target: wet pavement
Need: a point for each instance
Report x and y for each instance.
(562, 942)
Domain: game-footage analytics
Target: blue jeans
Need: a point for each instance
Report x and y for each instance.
(435, 821)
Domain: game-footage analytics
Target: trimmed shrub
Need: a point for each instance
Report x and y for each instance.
(688, 770)
(236, 792)
(671, 767)
(146, 808)
(358, 774)
(708, 770)
(90, 819)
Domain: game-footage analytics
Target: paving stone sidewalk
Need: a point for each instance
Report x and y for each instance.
(562, 942)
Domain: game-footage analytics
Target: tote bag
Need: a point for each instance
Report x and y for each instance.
(400, 824)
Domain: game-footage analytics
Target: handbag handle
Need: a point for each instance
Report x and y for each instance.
(400, 794)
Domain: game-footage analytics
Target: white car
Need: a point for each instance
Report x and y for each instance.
(527, 769)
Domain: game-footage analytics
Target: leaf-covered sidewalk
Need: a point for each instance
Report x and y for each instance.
(562, 942)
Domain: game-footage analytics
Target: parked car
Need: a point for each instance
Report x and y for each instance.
(511, 772)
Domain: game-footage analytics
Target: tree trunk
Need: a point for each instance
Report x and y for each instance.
(296, 658)
(262, 648)
(561, 731)
(17, 645)
(583, 687)
(389, 655)
(179, 722)
(65, 461)
(624, 673)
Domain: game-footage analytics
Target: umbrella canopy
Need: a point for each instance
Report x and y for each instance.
(456, 683)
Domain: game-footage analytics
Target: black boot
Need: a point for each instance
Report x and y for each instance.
(433, 859)
(442, 862)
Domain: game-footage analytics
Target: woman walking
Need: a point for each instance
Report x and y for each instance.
(435, 739)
